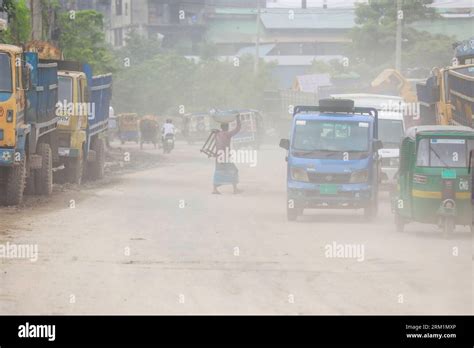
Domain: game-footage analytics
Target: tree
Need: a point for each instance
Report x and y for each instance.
(374, 39)
(167, 81)
(138, 49)
(82, 39)
(385, 11)
(19, 22)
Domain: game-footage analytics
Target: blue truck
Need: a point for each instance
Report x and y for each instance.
(333, 158)
(28, 121)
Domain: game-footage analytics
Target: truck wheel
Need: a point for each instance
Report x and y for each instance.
(370, 212)
(15, 183)
(30, 189)
(96, 168)
(73, 170)
(44, 175)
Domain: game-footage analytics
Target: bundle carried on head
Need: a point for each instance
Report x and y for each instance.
(226, 116)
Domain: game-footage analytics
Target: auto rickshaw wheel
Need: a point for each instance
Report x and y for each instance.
(399, 223)
(448, 226)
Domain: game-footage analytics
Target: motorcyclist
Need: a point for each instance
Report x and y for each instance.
(167, 128)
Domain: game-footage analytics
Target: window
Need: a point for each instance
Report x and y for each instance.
(331, 136)
(443, 152)
(118, 37)
(64, 89)
(118, 7)
(390, 132)
(5, 73)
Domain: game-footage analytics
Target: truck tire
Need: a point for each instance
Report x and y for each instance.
(44, 175)
(370, 212)
(30, 188)
(73, 170)
(96, 168)
(15, 183)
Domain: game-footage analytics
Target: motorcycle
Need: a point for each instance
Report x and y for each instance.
(168, 143)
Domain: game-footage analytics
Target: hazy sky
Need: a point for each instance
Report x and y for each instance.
(350, 3)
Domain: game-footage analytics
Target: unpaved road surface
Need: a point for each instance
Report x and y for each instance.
(156, 241)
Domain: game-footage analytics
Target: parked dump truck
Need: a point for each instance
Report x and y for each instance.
(447, 97)
(28, 97)
(83, 105)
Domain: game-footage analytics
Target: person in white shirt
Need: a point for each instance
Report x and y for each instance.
(168, 128)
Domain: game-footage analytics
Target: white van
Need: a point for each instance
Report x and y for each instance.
(391, 128)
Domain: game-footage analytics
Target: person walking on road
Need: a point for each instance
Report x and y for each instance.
(226, 172)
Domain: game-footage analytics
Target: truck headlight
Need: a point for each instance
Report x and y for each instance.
(359, 176)
(299, 174)
(394, 162)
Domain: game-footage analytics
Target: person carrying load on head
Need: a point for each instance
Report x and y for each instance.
(226, 173)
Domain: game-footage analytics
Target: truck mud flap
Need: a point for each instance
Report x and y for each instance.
(91, 156)
(35, 162)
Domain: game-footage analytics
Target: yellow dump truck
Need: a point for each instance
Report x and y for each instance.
(447, 97)
(28, 121)
(84, 102)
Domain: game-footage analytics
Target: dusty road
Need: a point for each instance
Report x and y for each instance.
(157, 242)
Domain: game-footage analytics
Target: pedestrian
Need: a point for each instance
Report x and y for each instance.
(226, 172)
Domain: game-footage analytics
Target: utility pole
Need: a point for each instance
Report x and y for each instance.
(303, 4)
(36, 20)
(257, 40)
(398, 48)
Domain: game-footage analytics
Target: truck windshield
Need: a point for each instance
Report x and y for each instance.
(391, 133)
(64, 89)
(443, 152)
(5, 73)
(331, 136)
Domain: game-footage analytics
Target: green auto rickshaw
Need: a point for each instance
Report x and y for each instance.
(434, 183)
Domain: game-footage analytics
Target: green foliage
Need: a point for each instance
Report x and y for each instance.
(138, 49)
(82, 39)
(19, 22)
(427, 50)
(374, 40)
(163, 83)
(385, 11)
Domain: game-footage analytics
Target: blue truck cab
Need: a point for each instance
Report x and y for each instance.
(332, 158)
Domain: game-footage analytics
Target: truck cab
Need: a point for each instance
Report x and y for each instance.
(28, 95)
(72, 108)
(84, 102)
(13, 129)
(391, 129)
(332, 158)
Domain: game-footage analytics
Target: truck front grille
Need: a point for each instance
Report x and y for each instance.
(329, 178)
